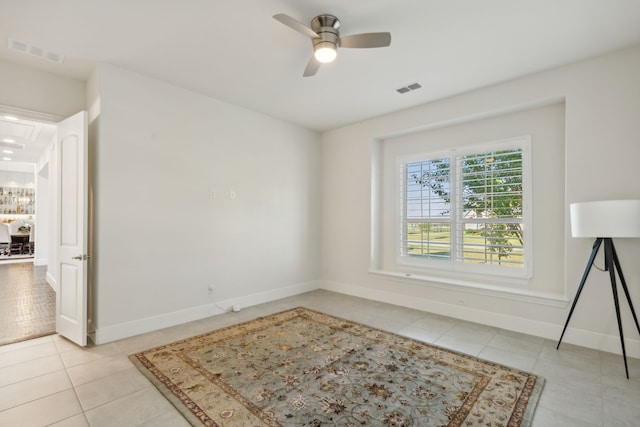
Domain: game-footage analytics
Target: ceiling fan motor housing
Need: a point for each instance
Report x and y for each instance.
(326, 27)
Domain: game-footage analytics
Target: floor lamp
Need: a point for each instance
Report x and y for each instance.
(604, 220)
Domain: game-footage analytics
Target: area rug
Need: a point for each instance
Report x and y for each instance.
(305, 368)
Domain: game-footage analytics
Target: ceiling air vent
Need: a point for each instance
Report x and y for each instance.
(409, 88)
(23, 47)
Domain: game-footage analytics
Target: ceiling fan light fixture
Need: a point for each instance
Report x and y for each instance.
(325, 37)
(325, 52)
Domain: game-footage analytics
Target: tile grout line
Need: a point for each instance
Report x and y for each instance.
(73, 387)
(39, 376)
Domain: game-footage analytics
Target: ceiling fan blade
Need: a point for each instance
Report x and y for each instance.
(366, 40)
(312, 67)
(295, 25)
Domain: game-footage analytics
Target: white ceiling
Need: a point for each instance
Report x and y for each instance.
(235, 51)
(23, 141)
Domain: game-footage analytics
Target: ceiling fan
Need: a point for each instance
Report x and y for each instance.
(325, 37)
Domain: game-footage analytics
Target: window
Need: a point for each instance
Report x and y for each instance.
(467, 209)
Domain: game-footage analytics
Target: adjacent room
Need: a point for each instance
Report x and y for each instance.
(321, 213)
(27, 301)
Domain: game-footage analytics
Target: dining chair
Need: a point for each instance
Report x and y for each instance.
(13, 227)
(5, 239)
(31, 245)
(15, 246)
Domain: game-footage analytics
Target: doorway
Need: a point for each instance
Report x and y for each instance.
(27, 300)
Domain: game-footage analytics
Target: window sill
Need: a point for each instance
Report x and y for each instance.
(463, 285)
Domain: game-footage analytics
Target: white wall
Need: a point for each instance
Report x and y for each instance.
(602, 101)
(545, 126)
(46, 218)
(161, 238)
(31, 89)
(43, 214)
(17, 174)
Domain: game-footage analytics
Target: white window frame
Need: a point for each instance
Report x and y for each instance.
(454, 264)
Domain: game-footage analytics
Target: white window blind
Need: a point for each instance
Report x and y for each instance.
(426, 215)
(467, 210)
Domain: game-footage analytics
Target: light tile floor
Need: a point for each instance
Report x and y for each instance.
(50, 382)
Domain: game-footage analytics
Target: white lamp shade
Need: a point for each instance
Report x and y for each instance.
(607, 218)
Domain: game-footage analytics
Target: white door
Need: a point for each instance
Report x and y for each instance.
(71, 235)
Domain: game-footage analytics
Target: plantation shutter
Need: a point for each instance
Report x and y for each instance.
(426, 222)
(490, 221)
(467, 208)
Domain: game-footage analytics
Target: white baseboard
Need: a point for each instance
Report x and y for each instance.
(140, 326)
(272, 295)
(550, 331)
(52, 282)
(103, 335)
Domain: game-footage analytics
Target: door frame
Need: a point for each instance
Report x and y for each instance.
(52, 275)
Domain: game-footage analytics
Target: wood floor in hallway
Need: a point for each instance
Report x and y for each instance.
(27, 302)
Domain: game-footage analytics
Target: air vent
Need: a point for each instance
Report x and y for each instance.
(23, 47)
(409, 88)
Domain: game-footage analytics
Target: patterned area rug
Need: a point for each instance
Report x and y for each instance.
(304, 368)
